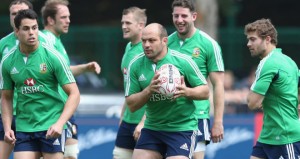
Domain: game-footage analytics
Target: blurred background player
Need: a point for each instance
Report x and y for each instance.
(34, 70)
(7, 43)
(171, 125)
(133, 22)
(206, 52)
(56, 19)
(275, 91)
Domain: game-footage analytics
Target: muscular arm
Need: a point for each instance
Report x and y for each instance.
(217, 80)
(138, 100)
(7, 108)
(254, 100)
(88, 67)
(69, 108)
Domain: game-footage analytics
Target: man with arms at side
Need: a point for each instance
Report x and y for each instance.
(133, 21)
(7, 43)
(206, 52)
(171, 124)
(56, 19)
(35, 70)
(275, 90)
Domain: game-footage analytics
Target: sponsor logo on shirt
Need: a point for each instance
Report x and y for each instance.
(31, 87)
(14, 71)
(43, 68)
(125, 71)
(159, 97)
(142, 78)
(196, 52)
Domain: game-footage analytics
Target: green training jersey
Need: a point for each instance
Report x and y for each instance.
(277, 79)
(8, 43)
(206, 52)
(130, 52)
(165, 114)
(55, 42)
(36, 78)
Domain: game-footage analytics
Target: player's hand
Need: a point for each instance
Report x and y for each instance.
(182, 89)
(54, 131)
(93, 67)
(137, 131)
(9, 137)
(155, 83)
(217, 132)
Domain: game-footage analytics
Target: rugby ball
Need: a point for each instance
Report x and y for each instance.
(169, 77)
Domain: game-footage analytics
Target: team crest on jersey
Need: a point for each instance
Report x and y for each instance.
(43, 68)
(196, 52)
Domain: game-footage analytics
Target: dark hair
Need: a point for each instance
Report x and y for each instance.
(24, 14)
(263, 28)
(28, 3)
(185, 4)
(50, 9)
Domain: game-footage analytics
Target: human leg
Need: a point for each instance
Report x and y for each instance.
(125, 142)
(203, 138)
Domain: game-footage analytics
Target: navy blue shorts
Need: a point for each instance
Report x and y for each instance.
(13, 127)
(287, 151)
(168, 143)
(36, 141)
(72, 130)
(125, 136)
(203, 131)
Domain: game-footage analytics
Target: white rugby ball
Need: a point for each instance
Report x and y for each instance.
(169, 79)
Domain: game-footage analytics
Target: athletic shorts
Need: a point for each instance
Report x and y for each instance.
(125, 136)
(72, 130)
(36, 141)
(287, 151)
(168, 143)
(203, 131)
(13, 127)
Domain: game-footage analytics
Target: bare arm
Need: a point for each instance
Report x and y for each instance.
(7, 115)
(196, 93)
(254, 100)
(138, 128)
(138, 100)
(122, 112)
(217, 80)
(88, 67)
(69, 109)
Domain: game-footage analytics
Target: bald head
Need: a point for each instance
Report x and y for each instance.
(155, 39)
(155, 29)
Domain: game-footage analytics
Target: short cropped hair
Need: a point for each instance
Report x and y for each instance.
(185, 4)
(24, 14)
(139, 14)
(26, 2)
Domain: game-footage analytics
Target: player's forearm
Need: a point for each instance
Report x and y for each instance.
(138, 100)
(198, 93)
(7, 112)
(218, 98)
(78, 69)
(70, 107)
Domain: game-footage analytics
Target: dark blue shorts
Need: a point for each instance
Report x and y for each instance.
(125, 136)
(36, 141)
(203, 130)
(168, 143)
(287, 151)
(13, 127)
(72, 130)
